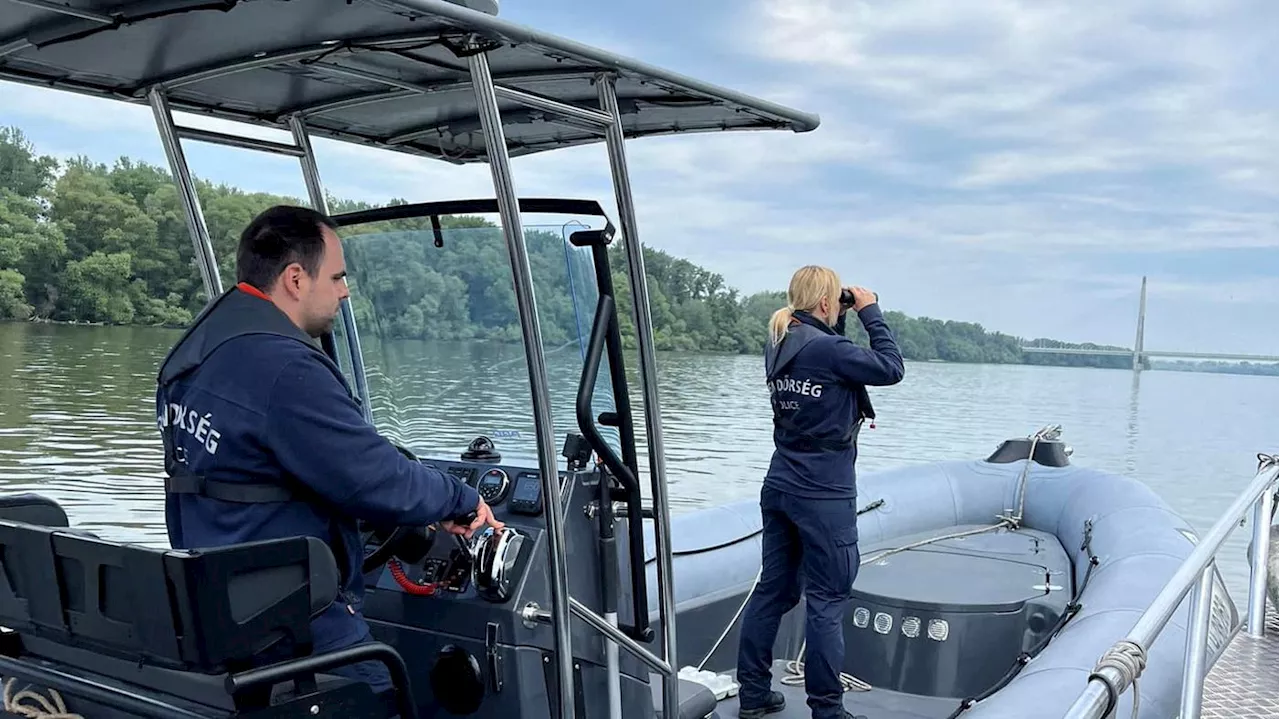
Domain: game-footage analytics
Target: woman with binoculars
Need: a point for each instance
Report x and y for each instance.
(817, 381)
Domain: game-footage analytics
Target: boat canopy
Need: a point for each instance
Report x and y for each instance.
(357, 70)
(440, 79)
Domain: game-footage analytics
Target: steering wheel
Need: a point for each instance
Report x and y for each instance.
(409, 543)
(391, 543)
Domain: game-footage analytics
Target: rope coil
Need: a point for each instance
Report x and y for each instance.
(795, 675)
(56, 709)
(1127, 659)
(1266, 461)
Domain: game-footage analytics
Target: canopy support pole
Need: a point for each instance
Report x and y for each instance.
(311, 174)
(186, 193)
(605, 88)
(522, 275)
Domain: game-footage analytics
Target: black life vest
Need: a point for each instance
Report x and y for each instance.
(236, 314)
(777, 360)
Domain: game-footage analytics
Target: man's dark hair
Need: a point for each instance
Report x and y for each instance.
(278, 237)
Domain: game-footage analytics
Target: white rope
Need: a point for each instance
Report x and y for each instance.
(795, 666)
(1048, 432)
(848, 682)
(795, 676)
(1004, 522)
(1128, 659)
(46, 709)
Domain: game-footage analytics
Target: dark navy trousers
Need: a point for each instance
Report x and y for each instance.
(810, 549)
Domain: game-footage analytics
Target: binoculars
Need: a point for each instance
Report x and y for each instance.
(846, 298)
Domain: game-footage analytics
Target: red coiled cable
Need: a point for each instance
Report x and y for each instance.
(410, 586)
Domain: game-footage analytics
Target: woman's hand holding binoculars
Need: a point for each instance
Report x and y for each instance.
(857, 297)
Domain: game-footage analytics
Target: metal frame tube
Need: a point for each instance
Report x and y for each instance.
(1093, 700)
(649, 380)
(615, 634)
(1166, 603)
(66, 10)
(612, 668)
(592, 117)
(13, 46)
(1258, 564)
(372, 77)
(311, 174)
(187, 193)
(1197, 643)
(522, 277)
(348, 103)
(246, 143)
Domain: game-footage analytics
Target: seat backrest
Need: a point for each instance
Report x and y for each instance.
(31, 508)
(209, 610)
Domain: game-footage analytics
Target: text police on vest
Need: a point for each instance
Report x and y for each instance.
(197, 426)
(786, 384)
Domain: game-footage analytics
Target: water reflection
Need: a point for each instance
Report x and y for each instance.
(77, 422)
(1131, 437)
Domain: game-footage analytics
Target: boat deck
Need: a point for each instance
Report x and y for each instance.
(1243, 682)
(873, 704)
(1241, 685)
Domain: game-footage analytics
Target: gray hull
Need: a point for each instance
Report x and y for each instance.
(1138, 542)
(954, 613)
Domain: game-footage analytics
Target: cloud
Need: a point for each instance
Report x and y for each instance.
(1038, 90)
(1020, 163)
(1043, 154)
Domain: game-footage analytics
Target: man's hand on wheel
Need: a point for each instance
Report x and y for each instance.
(483, 515)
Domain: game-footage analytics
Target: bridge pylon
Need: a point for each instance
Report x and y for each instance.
(1142, 322)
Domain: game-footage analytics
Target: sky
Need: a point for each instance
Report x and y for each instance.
(1017, 163)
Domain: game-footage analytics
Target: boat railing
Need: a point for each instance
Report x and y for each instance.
(1120, 667)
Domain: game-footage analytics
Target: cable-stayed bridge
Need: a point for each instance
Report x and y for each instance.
(1140, 353)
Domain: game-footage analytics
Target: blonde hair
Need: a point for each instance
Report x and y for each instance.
(809, 285)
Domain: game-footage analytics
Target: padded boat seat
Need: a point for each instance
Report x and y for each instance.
(175, 622)
(31, 508)
(696, 701)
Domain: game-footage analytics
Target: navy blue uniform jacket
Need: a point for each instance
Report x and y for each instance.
(246, 396)
(817, 385)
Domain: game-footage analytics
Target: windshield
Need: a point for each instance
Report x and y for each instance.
(440, 333)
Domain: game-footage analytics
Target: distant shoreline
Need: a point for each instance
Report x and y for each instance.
(1258, 369)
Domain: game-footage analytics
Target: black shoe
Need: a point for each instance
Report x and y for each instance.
(844, 714)
(774, 702)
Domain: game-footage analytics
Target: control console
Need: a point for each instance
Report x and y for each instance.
(493, 485)
(504, 489)
(472, 616)
(526, 498)
(433, 562)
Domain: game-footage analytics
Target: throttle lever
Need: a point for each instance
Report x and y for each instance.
(493, 569)
(463, 520)
(466, 519)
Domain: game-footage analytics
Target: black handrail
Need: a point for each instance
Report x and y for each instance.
(606, 315)
(109, 696)
(316, 663)
(617, 368)
(485, 205)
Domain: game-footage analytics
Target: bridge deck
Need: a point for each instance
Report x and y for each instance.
(1154, 354)
(1242, 683)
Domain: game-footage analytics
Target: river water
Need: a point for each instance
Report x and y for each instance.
(77, 421)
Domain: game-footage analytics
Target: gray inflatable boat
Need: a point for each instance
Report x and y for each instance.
(987, 589)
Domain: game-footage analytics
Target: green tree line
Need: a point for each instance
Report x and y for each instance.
(85, 242)
(1217, 367)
